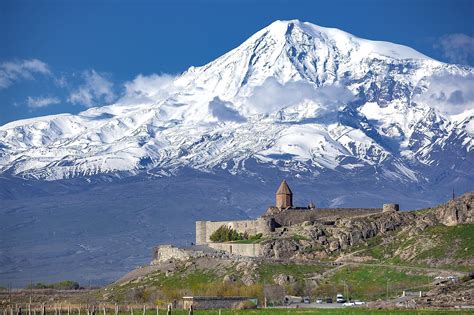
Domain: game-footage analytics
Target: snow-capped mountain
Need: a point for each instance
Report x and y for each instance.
(294, 95)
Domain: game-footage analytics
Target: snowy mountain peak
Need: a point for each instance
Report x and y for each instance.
(295, 97)
(292, 51)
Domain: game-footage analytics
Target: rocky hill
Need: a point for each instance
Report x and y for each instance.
(407, 237)
(370, 257)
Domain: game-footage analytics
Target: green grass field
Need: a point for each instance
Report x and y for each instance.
(370, 282)
(328, 312)
(434, 243)
(268, 270)
(274, 311)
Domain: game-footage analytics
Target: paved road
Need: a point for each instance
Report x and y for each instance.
(313, 305)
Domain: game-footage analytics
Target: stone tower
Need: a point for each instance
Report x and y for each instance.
(284, 196)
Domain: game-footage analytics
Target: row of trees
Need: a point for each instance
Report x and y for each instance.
(61, 285)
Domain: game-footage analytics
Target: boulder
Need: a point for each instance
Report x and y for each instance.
(282, 279)
(229, 279)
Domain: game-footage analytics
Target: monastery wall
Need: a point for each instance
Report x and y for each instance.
(248, 250)
(204, 229)
(296, 216)
(166, 252)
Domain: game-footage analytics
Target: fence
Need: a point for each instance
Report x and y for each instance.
(85, 309)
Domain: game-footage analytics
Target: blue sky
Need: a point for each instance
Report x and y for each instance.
(65, 56)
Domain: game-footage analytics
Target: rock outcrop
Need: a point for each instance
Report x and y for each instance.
(318, 239)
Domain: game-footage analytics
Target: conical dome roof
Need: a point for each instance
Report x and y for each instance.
(284, 189)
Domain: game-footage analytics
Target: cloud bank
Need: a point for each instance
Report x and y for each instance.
(449, 94)
(38, 102)
(15, 71)
(224, 111)
(144, 89)
(457, 48)
(272, 96)
(96, 89)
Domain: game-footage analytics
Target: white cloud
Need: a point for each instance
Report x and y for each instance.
(450, 94)
(15, 71)
(272, 96)
(224, 111)
(38, 102)
(150, 88)
(95, 90)
(457, 48)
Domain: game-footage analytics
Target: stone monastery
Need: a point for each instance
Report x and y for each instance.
(282, 214)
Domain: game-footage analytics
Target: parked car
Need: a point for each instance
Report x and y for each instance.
(319, 301)
(340, 298)
(349, 304)
(329, 300)
(290, 299)
(306, 300)
(359, 303)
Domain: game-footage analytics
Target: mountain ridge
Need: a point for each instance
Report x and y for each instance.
(214, 99)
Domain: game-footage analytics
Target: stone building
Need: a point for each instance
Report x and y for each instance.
(282, 214)
(284, 196)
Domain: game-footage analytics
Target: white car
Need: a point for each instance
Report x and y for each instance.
(349, 304)
(319, 301)
(359, 303)
(340, 298)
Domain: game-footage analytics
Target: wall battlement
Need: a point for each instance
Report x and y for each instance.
(296, 216)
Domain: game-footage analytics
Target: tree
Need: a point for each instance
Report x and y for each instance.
(226, 234)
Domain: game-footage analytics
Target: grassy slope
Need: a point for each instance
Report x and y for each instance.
(427, 249)
(268, 270)
(370, 282)
(362, 282)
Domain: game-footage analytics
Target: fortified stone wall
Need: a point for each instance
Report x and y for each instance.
(166, 252)
(296, 216)
(248, 250)
(204, 229)
(388, 207)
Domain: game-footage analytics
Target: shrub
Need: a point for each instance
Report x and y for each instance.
(226, 234)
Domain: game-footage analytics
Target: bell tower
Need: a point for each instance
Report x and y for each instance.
(284, 196)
